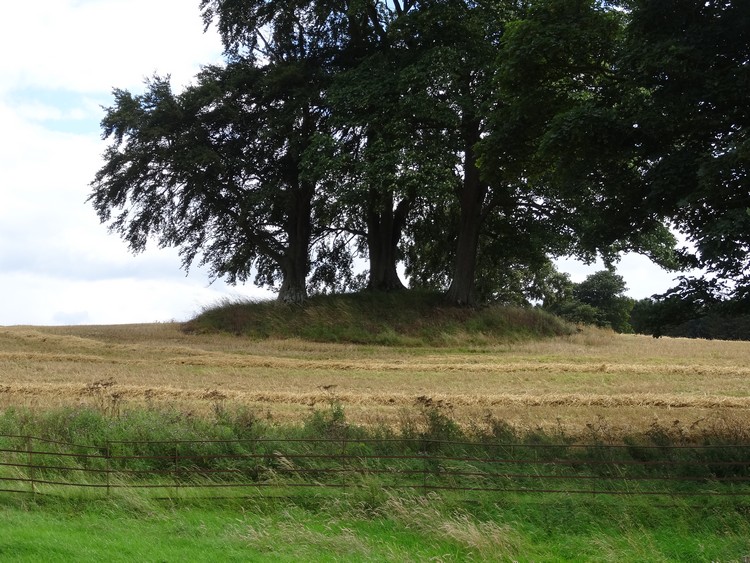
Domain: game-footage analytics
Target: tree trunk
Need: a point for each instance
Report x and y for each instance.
(293, 290)
(384, 226)
(296, 263)
(471, 199)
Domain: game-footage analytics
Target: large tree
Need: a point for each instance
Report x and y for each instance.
(461, 40)
(656, 130)
(559, 141)
(386, 156)
(372, 165)
(219, 170)
(419, 108)
(475, 139)
(690, 60)
(510, 77)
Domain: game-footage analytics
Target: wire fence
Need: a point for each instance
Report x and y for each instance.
(33, 465)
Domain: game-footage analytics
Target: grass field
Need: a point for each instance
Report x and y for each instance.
(592, 379)
(589, 386)
(399, 530)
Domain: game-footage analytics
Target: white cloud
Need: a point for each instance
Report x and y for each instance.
(41, 300)
(58, 265)
(97, 45)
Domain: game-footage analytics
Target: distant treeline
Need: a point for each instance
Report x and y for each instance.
(683, 312)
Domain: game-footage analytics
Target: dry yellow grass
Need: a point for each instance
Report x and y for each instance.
(623, 383)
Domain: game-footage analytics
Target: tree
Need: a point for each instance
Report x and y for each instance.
(657, 130)
(692, 310)
(383, 161)
(463, 39)
(600, 299)
(215, 171)
(690, 62)
(558, 128)
(670, 140)
(220, 169)
(504, 72)
(399, 109)
(364, 159)
(474, 140)
(467, 227)
(605, 292)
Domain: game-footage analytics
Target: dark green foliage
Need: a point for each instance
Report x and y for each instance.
(216, 171)
(605, 292)
(471, 141)
(646, 110)
(659, 316)
(330, 423)
(408, 318)
(599, 300)
(575, 311)
(689, 313)
(558, 130)
(691, 58)
(714, 327)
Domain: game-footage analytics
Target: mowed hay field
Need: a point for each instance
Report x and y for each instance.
(591, 382)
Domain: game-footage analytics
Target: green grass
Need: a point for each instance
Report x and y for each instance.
(273, 530)
(411, 528)
(366, 521)
(408, 318)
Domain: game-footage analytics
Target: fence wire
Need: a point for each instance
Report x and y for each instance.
(34, 465)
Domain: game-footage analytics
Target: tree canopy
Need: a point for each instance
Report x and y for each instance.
(693, 61)
(472, 141)
(599, 300)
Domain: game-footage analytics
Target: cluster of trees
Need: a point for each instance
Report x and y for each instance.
(690, 310)
(470, 141)
(598, 300)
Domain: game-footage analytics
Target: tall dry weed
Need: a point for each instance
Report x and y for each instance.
(486, 539)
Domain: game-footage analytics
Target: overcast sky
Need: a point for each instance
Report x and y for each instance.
(58, 265)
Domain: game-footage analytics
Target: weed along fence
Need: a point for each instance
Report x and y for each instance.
(218, 468)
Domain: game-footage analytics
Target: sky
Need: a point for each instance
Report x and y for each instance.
(58, 264)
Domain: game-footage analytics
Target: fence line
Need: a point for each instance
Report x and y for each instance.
(42, 466)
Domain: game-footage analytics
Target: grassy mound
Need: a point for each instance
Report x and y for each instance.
(406, 318)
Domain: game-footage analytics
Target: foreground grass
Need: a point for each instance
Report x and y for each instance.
(156, 382)
(359, 523)
(276, 531)
(395, 529)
